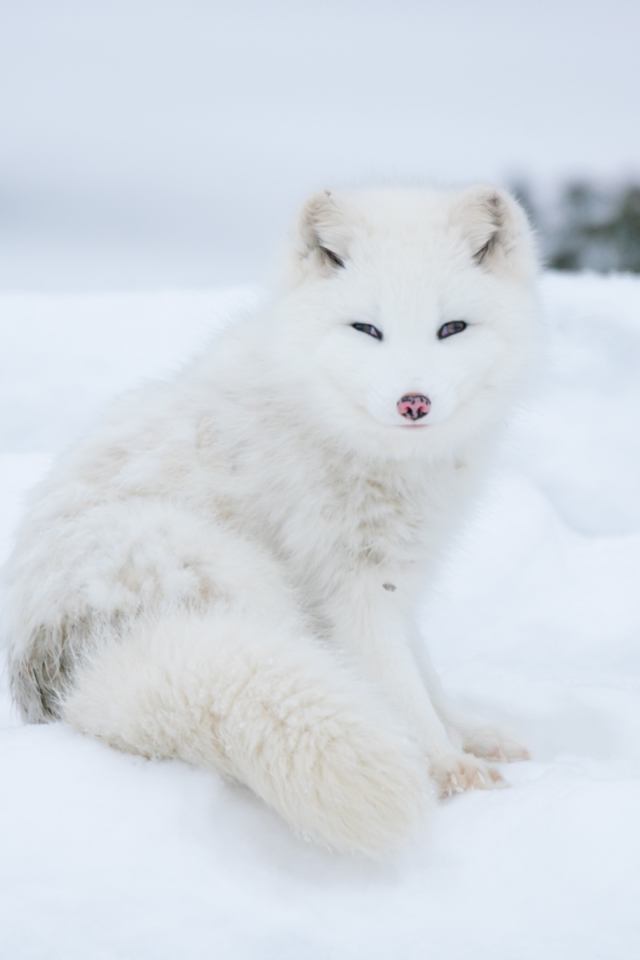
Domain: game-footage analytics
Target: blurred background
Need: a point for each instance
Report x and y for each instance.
(148, 144)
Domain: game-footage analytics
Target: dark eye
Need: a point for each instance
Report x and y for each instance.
(368, 328)
(448, 329)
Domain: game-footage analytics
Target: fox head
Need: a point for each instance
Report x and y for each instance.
(409, 315)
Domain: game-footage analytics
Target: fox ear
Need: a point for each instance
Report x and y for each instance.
(497, 232)
(321, 238)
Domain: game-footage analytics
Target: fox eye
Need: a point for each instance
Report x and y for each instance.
(448, 329)
(368, 328)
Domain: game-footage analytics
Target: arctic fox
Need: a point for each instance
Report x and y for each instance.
(226, 570)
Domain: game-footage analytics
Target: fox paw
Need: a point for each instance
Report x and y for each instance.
(459, 772)
(495, 744)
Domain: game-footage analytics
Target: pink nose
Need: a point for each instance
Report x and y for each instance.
(414, 406)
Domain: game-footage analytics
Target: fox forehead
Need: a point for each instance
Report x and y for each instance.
(401, 230)
(416, 236)
(403, 284)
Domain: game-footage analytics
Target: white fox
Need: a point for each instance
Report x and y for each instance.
(226, 570)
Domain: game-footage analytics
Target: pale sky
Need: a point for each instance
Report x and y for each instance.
(149, 143)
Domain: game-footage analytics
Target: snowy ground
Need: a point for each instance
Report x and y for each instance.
(535, 621)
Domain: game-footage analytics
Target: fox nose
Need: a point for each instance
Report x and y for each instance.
(414, 406)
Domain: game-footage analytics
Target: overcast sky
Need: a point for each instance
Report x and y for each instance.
(146, 143)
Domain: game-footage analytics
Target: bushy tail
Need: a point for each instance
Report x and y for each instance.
(279, 715)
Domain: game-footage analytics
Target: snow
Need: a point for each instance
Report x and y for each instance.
(534, 621)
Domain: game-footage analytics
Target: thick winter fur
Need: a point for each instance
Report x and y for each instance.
(226, 570)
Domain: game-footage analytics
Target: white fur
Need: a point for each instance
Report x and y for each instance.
(226, 570)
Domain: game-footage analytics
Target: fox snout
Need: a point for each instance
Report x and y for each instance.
(414, 406)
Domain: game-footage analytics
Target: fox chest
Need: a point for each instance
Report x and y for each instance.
(327, 520)
(336, 530)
